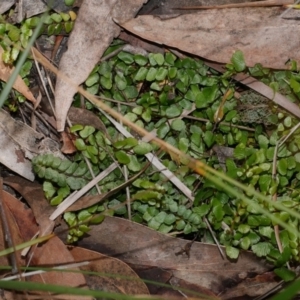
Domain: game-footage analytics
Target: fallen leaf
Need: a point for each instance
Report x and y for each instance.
(22, 216)
(55, 253)
(19, 85)
(6, 5)
(21, 224)
(21, 144)
(261, 34)
(121, 278)
(34, 195)
(253, 287)
(68, 146)
(86, 45)
(143, 246)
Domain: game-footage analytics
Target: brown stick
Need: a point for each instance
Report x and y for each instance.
(265, 3)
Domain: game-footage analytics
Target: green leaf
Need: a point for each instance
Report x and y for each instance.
(202, 210)
(147, 195)
(14, 33)
(105, 69)
(183, 145)
(75, 128)
(75, 183)
(155, 86)
(131, 117)
(126, 57)
(56, 200)
(282, 166)
(238, 61)
(159, 58)
(170, 219)
(83, 215)
(154, 224)
(121, 82)
(69, 26)
(264, 182)
(285, 274)
(180, 225)
(170, 58)
(92, 79)
(86, 131)
(266, 231)
(106, 82)
(206, 96)
(172, 72)
(181, 210)
(142, 148)
(134, 164)
(161, 217)
(146, 115)
(151, 74)
(63, 191)
(80, 144)
(173, 111)
(209, 138)
(97, 219)
(122, 157)
(243, 228)
(163, 228)
(232, 252)
(263, 141)
(178, 125)
(245, 243)
(187, 229)
(161, 74)
(163, 130)
(48, 189)
(140, 59)
(295, 85)
(218, 212)
(131, 92)
(141, 74)
(56, 17)
(261, 249)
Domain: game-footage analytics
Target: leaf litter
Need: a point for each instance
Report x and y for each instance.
(227, 60)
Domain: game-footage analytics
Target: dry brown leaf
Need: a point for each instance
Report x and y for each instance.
(68, 145)
(19, 85)
(34, 195)
(128, 283)
(55, 253)
(173, 284)
(86, 45)
(22, 142)
(21, 224)
(22, 216)
(143, 246)
(261, 33)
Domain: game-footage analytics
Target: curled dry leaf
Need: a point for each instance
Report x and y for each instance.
(120, 277)
(22, 142)
(141, 245)
(21, 224)
(93, 32)
(55, 253)
(34, 195)
(262, 34)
